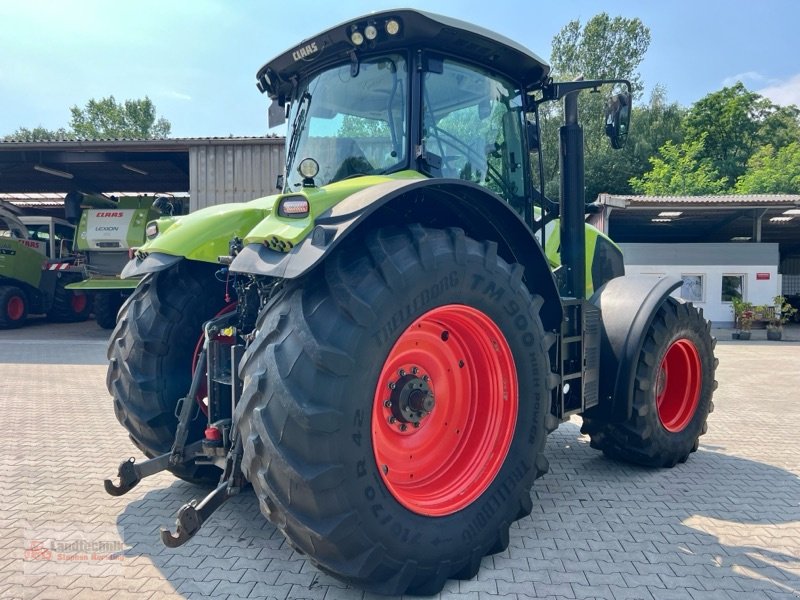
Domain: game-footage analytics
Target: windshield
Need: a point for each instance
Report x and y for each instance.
(351, 121)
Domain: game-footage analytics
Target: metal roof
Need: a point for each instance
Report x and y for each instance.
(701, 219)
(736, 201)
(99, 165)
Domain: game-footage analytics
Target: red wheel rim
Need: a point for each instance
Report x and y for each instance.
(202, 391)
(678, 385)
(15, 308)
(78, 302)
(438, 457)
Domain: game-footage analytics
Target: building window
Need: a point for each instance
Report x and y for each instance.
(732, 287)
(692, 289)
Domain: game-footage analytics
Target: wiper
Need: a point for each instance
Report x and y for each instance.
(297, 128)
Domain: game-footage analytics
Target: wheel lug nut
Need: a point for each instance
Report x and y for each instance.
(414, 370)
(425, 378)
(401, 372)
(388, 404)
(392, 385)
(392, 420)
(416, 425)
(403, 427)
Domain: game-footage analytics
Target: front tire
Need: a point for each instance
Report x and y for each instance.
(672, 393)
(13, 307)
(69, 306)
(406, 312)
(106, 308)
(150, 358)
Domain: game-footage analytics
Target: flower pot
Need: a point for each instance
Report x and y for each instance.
(744, 335)
(774, 333)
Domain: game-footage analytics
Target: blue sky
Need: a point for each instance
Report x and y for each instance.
(197, 59)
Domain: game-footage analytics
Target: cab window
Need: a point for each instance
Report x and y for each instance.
(472, 121)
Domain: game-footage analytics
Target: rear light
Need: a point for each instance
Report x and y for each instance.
(151, 230)
(293, 207)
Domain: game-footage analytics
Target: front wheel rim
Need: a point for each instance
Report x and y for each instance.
(445, 410)
(678, 385)
(78, 303)
(15, 308)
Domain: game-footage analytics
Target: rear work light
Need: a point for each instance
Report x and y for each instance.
(293, 207)
(151, 230)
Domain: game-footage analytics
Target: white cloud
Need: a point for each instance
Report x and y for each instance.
(175, 95)
(747, 76)
(783, 92)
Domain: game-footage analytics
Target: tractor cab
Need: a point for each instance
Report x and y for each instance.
(400, 91)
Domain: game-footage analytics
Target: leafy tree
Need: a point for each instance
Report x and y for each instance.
(780, 127)
(605, 47)
(106, 118)
(736, 122)
(679, 169)
(359, 127)
(38, 134)
(652, 125)
(771, 171)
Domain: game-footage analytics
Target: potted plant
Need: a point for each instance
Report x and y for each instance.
(783, 312)
(743, 318)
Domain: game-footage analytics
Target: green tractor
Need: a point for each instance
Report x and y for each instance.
(108, 229)
(36, 266)
(382, 348)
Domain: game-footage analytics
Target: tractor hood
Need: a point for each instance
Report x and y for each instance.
(206, 235)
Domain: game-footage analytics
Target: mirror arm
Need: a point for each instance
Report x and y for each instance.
(556, 91)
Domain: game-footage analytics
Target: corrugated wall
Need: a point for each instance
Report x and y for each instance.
(220, 173)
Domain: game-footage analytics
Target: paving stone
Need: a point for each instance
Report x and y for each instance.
(723, 526)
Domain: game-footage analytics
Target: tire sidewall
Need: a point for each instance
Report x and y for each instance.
(681, 442)
(9, 294)
(506, 301)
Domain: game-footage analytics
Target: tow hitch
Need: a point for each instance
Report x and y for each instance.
(217, 365)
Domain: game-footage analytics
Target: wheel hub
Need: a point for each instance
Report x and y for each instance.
(412, 398)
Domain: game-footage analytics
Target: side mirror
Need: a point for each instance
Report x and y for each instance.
(276, 115)
(618, 119)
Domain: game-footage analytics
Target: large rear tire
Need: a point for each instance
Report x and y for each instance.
(69, 306)
(13, 307)
(415, 355)
(672, 392)
(150, 357)
(106, 308)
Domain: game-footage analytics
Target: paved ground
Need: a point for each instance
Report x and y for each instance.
(725, 525)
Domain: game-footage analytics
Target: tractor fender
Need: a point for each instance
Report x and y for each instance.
(152, 263)
(628, 305)
(431, 202)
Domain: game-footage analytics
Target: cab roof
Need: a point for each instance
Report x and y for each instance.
(416, 29)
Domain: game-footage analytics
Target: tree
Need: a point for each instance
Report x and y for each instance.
(680, 170)
(105, 118)
(652, 125)
(736, 122)
(38, 134)
(780, 127)
(771, 171)
(603, 48)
